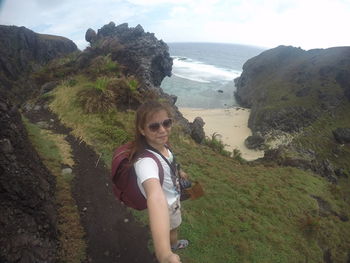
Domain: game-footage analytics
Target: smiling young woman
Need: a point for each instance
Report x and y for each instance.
(152, 130)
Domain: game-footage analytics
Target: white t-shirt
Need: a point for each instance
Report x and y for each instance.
(147, 168)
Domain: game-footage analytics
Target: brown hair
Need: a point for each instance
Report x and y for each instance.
(143, 113)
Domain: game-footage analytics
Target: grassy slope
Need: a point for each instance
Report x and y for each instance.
(55, 151)
(249, 213)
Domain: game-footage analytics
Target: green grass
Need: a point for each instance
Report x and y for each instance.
(55, 152)
(105, 131)
(250, 213)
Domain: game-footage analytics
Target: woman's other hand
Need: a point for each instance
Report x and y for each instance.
(183, 175)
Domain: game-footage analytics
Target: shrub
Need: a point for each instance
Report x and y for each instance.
(102, 83)
(237, 155)
(216, 144)
(103, 65)
(97, 97)
(126, 92)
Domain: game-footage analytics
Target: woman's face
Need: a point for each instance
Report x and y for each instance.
(157, 129)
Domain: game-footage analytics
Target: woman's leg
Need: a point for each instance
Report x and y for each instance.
(173, 237)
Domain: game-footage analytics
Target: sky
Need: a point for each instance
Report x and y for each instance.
(265, 23)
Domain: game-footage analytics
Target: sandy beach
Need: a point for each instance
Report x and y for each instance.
(231, 124)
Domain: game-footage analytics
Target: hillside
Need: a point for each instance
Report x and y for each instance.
(300, 100)
(251, 212)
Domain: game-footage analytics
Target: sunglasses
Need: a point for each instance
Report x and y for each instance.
(156, 125)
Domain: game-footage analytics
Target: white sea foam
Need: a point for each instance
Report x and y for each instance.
(198, 71)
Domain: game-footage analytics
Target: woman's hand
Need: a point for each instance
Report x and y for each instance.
(171, 258)
(183, 175)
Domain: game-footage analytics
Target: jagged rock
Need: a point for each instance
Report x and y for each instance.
(48, 86)
(197, 131)
(28, 215)
(342, 135)
(90, 36)
(255, 142)
(139, 51)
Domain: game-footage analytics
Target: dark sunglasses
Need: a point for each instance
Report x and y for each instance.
(156, 125)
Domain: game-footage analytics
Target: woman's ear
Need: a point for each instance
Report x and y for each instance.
(142, 131)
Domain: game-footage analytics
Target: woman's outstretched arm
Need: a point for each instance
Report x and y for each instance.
(159, 221)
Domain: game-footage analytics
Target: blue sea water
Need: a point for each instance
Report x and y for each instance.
(203, 73)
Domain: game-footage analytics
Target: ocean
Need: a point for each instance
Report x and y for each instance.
(203, 73)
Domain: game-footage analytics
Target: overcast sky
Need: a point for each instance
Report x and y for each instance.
(266, 23)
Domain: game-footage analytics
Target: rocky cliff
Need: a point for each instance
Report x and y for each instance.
(299, 100)
(288, 88)
(23, 51)
(143, 54)
(28, 215)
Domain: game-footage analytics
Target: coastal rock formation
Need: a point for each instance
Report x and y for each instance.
(28, 215)
(22, 52)
(287, 88)
(141, 52)
(292, 91)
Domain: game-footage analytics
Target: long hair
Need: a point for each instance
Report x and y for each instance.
(143, 113)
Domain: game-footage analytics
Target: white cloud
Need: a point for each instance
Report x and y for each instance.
(309, 24)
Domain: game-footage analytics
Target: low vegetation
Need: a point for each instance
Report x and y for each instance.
(55, 152)
(250, 213)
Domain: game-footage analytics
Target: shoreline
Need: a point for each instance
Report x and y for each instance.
(231, 124)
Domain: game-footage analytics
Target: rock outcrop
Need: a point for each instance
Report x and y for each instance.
(288, 88)
(28, 215)
(22, 52)
(141, 52)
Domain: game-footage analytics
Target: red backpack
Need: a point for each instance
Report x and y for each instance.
(124, 178)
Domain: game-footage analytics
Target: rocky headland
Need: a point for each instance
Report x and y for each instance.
(296, 95)
(23, 52)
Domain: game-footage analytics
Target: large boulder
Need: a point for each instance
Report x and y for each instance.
(255, 141)
(28, 230)
(342, 135)
(197, 131)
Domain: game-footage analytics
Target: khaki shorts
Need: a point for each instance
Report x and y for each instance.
(175, 214)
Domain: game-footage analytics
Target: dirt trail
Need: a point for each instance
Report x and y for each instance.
(112, 234)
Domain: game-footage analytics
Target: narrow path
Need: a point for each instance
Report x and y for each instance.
(112, 234)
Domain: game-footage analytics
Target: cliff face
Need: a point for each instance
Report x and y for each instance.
(21, 52)
(28, 213)
(303, 98)
(288, 88)
(143, 54)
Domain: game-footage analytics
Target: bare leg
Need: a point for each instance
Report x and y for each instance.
(173, 237)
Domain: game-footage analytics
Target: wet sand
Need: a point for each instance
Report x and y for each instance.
(231, 124)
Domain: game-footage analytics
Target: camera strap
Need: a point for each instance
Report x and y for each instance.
(173, 167)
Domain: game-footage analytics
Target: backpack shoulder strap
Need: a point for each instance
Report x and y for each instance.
(160, 167)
